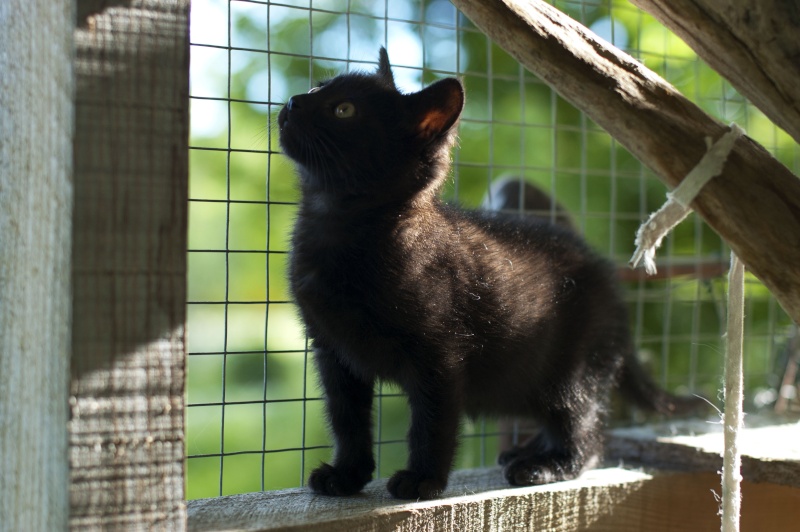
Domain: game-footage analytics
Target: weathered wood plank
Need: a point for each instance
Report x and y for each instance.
(770, 453)
(472, 502)
(612, 499)
(754, 45)
(36, 128)
(754, 204)
(604, 500)
(129, 268)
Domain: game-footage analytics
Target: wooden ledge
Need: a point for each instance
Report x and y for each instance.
(615, 499)
(477, 499)
(770, 453)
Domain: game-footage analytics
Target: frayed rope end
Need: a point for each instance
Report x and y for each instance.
(661, 222)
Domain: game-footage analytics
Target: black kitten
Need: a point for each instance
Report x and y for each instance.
(469, 312)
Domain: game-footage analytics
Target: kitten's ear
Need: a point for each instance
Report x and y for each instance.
(437, 108)
(384, 68)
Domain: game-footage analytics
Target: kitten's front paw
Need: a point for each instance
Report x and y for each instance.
(410, 485)
(330, 480)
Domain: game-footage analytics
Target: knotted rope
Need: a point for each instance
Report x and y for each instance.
(648, 239)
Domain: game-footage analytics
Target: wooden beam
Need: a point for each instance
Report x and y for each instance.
(769, 450)
(700, 270)
(614, 499)
(603, 500)
(129, 265)
(36, 129)
(754, 204)
(754, 45)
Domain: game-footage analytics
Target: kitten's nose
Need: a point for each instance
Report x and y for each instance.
(292, 103)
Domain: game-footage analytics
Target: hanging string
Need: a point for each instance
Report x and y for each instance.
(648, 239)
(734, 398)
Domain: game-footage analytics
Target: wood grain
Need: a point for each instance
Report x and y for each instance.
(754, 204)
(36, 128)
(126, 430)
(753, 45)
(604, 500)
(666, 480)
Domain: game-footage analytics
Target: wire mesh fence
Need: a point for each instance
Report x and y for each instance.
(255, 416)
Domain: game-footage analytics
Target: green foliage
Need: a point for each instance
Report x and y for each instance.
(246, 342)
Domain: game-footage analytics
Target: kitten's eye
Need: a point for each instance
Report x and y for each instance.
(314, 89)
(345, 110)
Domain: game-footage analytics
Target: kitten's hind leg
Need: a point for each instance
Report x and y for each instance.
(566, 446)
(531, 445)
(349, 403)
(514, 433)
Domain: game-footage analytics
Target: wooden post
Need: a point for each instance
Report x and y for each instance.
(754, 204)
(126, 447)
(754, 45)
(36, 125)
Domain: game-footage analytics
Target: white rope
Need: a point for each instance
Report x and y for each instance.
(648, 239)
(734, 396)
(661, 222)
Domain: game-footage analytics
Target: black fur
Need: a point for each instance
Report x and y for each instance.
(469, 312)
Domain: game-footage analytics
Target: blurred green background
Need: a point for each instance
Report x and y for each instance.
(255, 418)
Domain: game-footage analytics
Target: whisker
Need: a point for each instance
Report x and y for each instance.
(334, 152)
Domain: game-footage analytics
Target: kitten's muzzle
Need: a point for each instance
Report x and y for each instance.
(291, 106)
(292, 112)
(283, 116)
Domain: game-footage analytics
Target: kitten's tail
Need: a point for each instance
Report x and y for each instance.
(640, 389)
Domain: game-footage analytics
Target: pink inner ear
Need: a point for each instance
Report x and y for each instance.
(433, 122)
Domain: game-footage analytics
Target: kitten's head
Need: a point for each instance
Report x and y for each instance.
(357, 135)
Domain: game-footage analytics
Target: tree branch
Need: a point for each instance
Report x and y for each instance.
(754, 204)
(754, 45)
